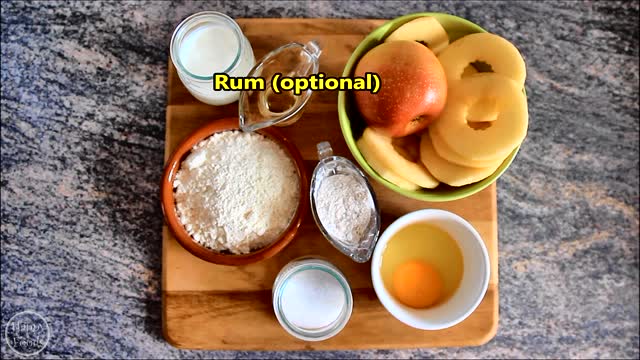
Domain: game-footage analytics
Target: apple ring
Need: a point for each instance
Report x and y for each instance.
(503, 56)
(501, 136)
(373, 161)
(448, 172)
(390, 158)
(423, 29)
(451, 156)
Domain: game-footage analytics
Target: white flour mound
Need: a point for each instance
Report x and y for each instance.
(342, 203)
(236, 191)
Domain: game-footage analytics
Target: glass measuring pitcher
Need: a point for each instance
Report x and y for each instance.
(262, 108)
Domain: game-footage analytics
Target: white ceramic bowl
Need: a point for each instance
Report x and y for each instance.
(475, 278)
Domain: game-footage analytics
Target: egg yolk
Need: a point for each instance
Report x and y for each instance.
(417, 284)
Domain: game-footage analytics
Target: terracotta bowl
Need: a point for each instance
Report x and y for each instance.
(169, 208)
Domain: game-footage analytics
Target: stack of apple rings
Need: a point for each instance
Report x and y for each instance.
(486, 115)
(482, 120)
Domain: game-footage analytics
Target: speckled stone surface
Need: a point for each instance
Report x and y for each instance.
(83, 95)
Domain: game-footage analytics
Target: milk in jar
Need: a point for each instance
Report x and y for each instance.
(206, 43)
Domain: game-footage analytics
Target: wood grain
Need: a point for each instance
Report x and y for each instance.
(208, 306)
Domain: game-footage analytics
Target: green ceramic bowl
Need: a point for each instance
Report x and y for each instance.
(353, 125)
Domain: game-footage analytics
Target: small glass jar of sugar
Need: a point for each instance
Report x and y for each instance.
(312, 299)
(206, 43)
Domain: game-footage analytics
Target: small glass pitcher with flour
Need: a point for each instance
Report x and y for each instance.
(344, 205)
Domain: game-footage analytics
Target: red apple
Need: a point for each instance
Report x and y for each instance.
(413, 89)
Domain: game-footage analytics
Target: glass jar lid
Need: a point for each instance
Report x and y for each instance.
(262, 108)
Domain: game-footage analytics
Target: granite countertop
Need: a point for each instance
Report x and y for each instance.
(83, 99)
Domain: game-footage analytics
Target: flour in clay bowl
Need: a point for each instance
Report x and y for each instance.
(236, 192)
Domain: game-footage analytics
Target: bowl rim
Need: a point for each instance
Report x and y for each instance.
(455, 193)
(168, 203)
(386, 298)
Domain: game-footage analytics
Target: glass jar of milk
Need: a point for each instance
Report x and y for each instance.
(206, 43)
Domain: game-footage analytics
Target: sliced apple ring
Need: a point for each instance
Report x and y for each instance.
(497, 138)
(503, 57)
(469, 70)
(426, 30)
(448, 172)
(373, 161)
(451, 156)
(391, 159)
(481, 111)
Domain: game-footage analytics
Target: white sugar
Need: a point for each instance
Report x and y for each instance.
(312, 299)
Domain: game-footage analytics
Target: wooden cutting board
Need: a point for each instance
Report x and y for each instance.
(207, 306)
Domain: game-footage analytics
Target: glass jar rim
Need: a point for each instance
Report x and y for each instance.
(305, 264)
(184, 24)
